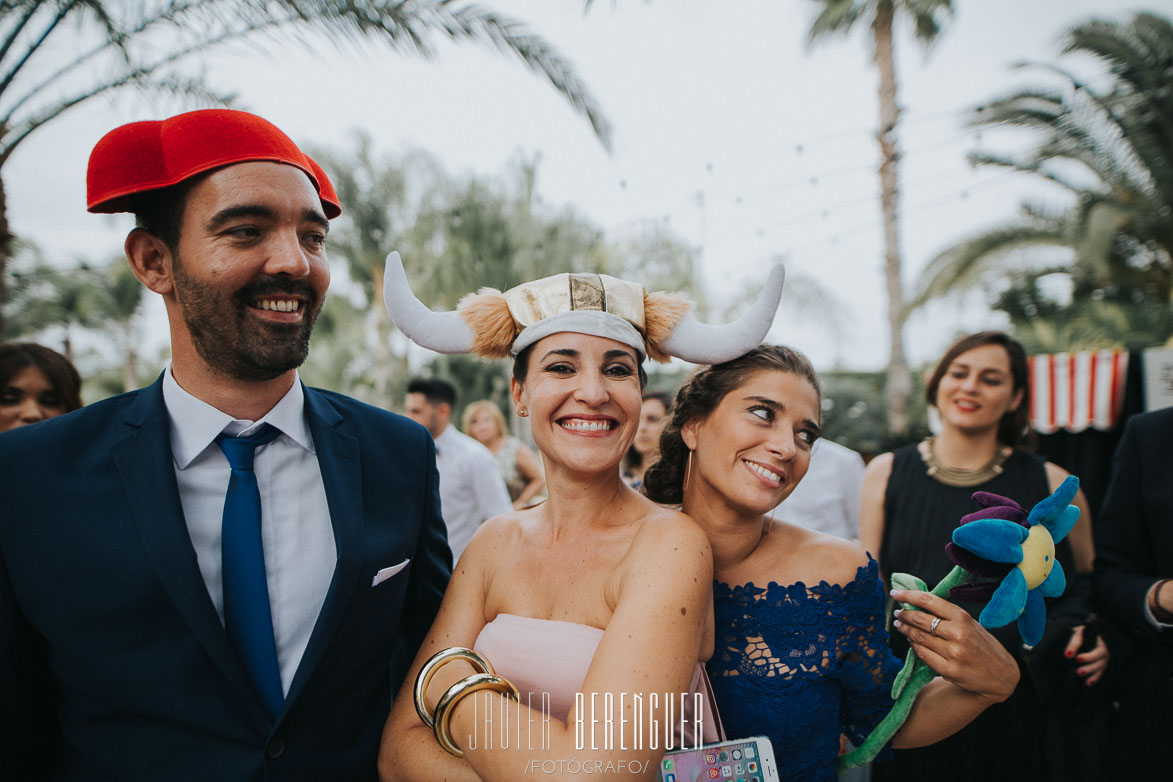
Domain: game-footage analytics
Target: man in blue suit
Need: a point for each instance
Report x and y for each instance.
(224, 575)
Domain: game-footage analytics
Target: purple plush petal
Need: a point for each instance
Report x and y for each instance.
(974, 591)
(988, 499)
(979, 566)
(1003, 512)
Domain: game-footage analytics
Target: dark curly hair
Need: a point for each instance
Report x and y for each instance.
(699, 396)
(1015, 424)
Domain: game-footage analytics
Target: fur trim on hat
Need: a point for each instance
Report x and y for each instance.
(662, 311)
(493, 329)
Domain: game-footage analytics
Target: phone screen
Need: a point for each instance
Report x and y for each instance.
(730, 761)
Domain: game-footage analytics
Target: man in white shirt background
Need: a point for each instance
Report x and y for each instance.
(828, 497)
(471, 488)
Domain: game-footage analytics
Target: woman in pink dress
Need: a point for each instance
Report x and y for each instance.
(596, 604)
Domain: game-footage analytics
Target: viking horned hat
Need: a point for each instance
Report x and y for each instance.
(493, 324)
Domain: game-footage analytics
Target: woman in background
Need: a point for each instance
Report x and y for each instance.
(35, 383)
(519, 465)
(913, 499)
(645, 449)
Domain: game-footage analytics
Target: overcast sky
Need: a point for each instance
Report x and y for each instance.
(746, 142)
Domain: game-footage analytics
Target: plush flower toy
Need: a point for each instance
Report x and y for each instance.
(1000, 553)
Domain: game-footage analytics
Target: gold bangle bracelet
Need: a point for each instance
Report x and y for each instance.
(434, 663)
(456, 693)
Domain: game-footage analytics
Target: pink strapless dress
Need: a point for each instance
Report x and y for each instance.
(551, 656)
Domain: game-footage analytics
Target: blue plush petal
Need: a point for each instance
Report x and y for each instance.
(994, 539)
(1060, 526)
(1052, 506)
(1055, 583)
(1030, 624)
(1007, 602)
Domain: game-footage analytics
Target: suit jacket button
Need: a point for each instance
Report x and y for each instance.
(276, 748)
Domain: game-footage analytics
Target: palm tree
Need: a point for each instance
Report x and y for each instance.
(838, 17)
(56, 54)
(1111, 149)
(379, 211)
(120, 295)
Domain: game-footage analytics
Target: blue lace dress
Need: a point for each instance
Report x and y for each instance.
(801, 665)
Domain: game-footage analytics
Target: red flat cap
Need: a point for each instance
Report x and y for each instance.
(145, 156)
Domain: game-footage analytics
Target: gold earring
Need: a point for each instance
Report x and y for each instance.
(687, 472)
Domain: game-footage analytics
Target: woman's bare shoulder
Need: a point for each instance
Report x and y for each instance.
(1055, 474)
(879, 468)
(498, 536)
(814, 556)
(665, 535)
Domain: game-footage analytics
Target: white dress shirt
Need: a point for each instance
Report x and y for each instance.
(296, 532)
(471, 488)
(828, 498)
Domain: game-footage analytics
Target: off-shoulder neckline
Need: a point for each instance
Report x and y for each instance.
(865, 572)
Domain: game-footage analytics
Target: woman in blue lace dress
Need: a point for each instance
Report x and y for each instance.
(801, 653)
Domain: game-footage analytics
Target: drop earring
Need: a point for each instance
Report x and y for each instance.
(687, 472)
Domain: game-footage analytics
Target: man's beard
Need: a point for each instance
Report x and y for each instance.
(228, 338)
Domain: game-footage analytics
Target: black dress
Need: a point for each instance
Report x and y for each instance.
(1008, 741)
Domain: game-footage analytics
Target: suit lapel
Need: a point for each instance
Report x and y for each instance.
(338, 456)
(145, 465)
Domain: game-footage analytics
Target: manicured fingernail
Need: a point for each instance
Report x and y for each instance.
(896, 623)
(1069, 653)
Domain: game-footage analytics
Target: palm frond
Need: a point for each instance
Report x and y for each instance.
(966, 265)
(835, 17)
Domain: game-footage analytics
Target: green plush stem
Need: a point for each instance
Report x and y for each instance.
(890, 724)
(912, 678)
(957, 576)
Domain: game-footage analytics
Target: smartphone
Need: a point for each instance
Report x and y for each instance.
(741, 760)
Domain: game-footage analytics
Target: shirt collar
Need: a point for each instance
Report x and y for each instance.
(195, 424)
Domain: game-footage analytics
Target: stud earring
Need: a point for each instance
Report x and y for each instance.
(522, 412)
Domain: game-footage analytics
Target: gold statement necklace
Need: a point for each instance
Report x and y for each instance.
(954, 476)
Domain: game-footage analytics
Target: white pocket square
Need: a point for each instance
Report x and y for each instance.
(387, 572)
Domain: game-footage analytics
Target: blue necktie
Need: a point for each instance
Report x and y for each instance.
(247, 617)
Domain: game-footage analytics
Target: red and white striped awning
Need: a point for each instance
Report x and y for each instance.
(1074, 391)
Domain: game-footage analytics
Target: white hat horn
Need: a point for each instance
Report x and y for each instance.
(443, 332)
(701, 343)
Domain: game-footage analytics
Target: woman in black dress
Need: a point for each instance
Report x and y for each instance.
(915, 497)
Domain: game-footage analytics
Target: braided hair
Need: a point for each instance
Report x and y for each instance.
(699, 396)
